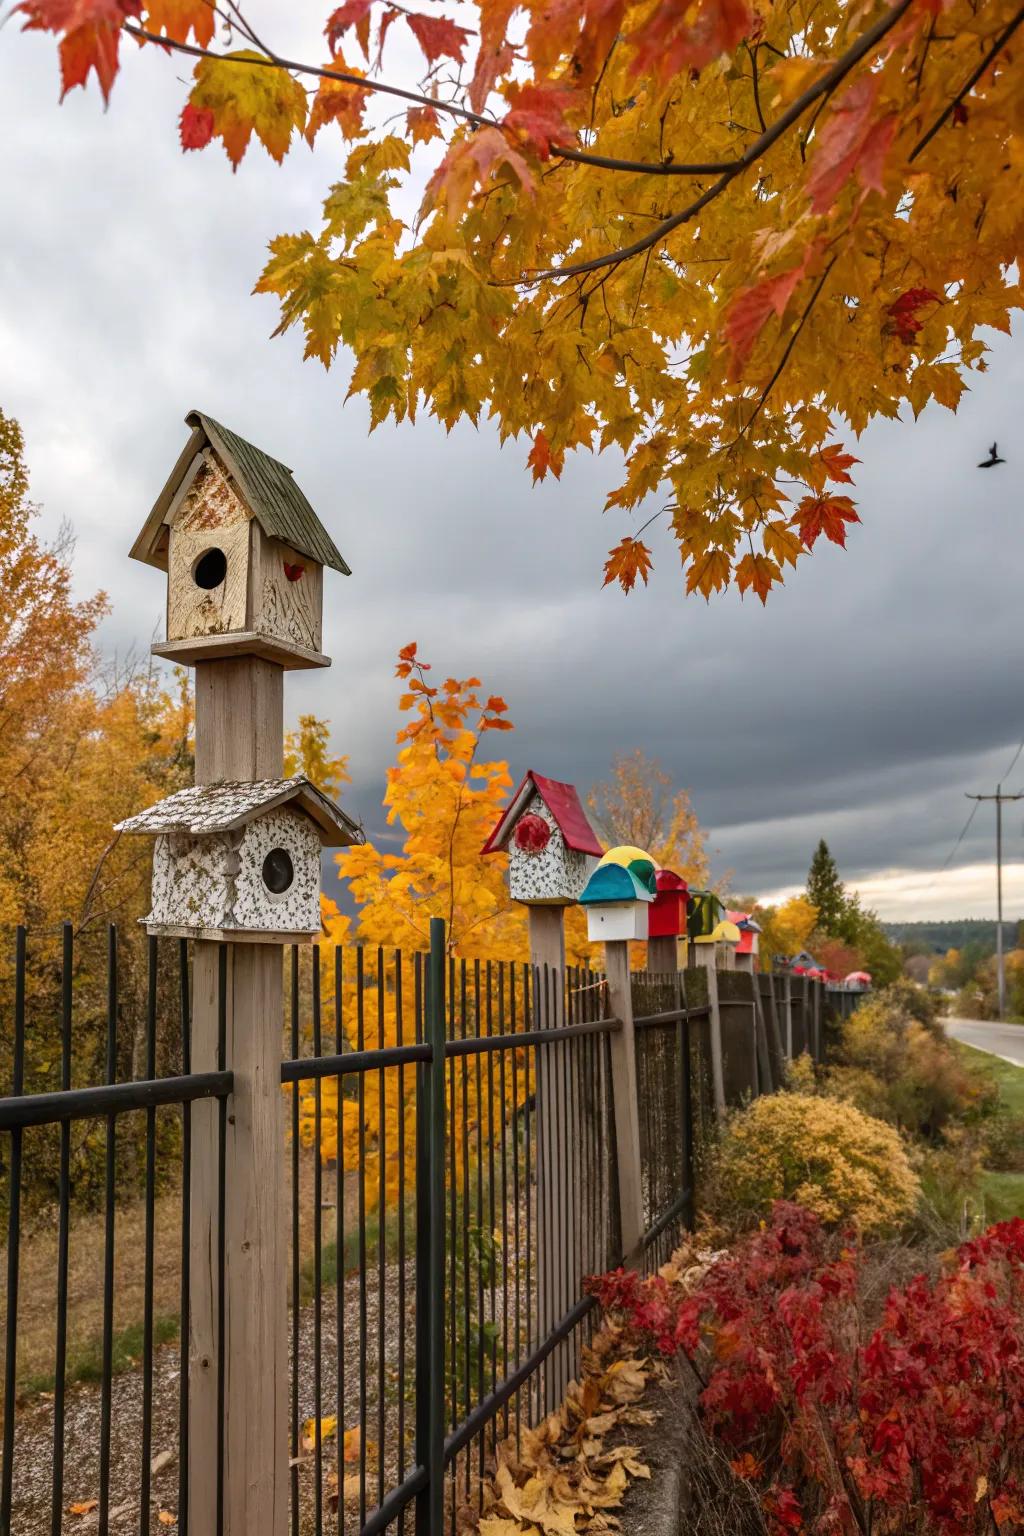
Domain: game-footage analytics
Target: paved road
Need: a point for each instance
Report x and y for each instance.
(1004, 1040)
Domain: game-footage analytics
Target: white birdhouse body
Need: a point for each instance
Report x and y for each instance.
(607, 923)
(244, 554)
(241, 861)
(551, 845)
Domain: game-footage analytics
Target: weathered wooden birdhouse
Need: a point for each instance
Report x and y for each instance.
(550, 843)
(244, 554)
(241, 861)
(618, 896)
(667, 919)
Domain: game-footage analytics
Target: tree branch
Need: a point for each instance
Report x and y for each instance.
(996, 48)
(827, 83)
(819, 285)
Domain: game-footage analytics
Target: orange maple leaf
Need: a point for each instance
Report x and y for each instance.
(759, 572)
(675, 37)
(836, 462)
(336, 101)
(543, 457)
(469, 163)
(826, 515)
(90, 34)
(179, 18)
(538, 113)
(746, 316)
(628, 560)
(709, 572)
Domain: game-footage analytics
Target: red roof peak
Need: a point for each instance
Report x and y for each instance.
(564, 803)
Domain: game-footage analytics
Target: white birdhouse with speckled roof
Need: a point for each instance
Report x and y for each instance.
(551, 845)
(241, 861)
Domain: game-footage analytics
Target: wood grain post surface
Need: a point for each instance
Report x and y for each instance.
(555, 1197)
(663, 956)
(787, 1008)
(715, 1034)
(240, 736)
(624, 1100)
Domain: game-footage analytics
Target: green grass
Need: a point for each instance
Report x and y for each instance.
(1003, 1192)
(86, 1363)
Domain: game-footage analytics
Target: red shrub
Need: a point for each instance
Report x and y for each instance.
(914, 1427)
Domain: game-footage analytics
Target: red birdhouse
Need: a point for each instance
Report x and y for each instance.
(667, 914)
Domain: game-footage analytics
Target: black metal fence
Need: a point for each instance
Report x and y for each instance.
(452, 1184)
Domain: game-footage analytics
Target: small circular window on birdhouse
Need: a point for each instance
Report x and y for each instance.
(278, 871)
(210, 569)
(532, 834)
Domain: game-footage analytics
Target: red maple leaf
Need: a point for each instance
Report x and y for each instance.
(438, 37)
(196, 126)
(836, 462)
(903, 315)
(826, 515)
(354, 13)
(538, 113)
(850, 140)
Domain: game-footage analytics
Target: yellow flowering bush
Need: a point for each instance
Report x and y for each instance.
(821, 1153)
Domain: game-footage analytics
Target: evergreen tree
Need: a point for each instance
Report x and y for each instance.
(825, 890)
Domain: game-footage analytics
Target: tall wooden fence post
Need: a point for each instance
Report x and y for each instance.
(624, 1100)
(237, 1012)
(244, 556)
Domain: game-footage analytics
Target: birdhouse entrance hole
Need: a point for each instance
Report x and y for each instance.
(210, 569)
(278, 871)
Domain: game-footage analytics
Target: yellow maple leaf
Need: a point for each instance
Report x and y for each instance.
(245, 96)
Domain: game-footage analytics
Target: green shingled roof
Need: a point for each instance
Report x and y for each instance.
(272, 494)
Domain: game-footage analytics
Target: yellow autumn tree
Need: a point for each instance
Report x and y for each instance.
(444, 797)
(640, 806)
(306, 751)
(786, 928)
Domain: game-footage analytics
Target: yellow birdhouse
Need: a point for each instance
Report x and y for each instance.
(244, 554)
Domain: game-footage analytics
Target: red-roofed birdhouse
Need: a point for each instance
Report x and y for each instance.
(551, 845)
(667, 916)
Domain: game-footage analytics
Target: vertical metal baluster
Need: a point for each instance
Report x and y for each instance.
(360, 1045)
(106, 1380)
(402, 1319)
(451, 1035)
(528, 1182)
(479, 1218)
(186, 1240)
(318, 1255)
(382, 1229)
(691, 1175)
(491, 1211)
(517, 1222)
(149, 1247)
(222, 1139)
(339, 1237)
(296, 1442)
(467, 1267)
(453, 1234)
(505, 1307)
(63, 1232)
(13, 1243)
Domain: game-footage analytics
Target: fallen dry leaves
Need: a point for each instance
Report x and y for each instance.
(564, 1479)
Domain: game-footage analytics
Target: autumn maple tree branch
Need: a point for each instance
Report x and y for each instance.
(969, 84)
(791, 343)
(822, 87)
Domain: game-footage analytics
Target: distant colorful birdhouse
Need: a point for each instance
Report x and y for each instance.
(747, 948)
(244, 554)
(618, 896)
(704, 912)
(550, 843)
(241, 861)
(667, 917)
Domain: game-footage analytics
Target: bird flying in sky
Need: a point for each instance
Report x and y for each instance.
(993, 458)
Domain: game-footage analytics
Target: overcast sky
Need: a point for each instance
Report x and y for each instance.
(874, 690)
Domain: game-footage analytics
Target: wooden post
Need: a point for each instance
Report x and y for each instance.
(239, 735)
(715, 1035)
(787, 1006)
(663, 956)
(624, 1097)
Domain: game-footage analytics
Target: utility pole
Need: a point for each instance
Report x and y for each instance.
(999, 799)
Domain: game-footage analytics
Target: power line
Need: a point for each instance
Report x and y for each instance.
(963, 833)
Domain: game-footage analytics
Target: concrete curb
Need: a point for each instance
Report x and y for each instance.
(658, 1506)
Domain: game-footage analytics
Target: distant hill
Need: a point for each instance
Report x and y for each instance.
(956, 933)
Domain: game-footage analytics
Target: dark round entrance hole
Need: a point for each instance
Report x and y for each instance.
(210, 569)
(278, 871)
